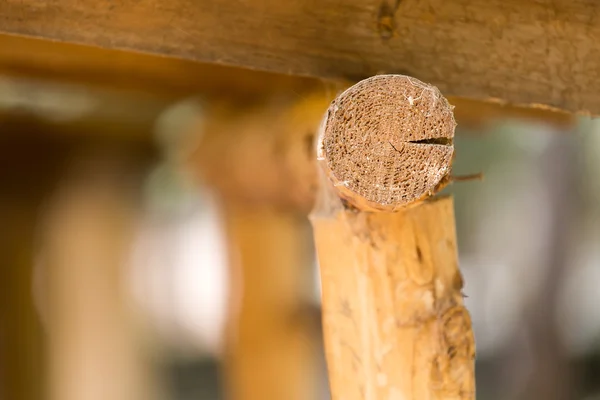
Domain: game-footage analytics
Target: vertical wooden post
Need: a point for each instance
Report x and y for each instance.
(394, 322)
(271, 352)
(21, 335)
(93, 349)
(249, 156)
(24, 185)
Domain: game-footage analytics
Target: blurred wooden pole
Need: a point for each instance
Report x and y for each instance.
(271, 352)
(264, 154)
(247, 154)
(21, 336)
(93, 350)
(29, 165)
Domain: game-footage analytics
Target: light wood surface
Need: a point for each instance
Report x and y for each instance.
(394, 322)
(95, 349)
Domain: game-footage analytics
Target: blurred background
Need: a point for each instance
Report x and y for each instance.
(128, 273)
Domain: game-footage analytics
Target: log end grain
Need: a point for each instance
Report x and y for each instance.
(387, 141)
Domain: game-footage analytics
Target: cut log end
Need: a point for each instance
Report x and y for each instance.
(387, 141)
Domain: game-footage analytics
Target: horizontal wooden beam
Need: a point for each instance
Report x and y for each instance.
(256, 154)
(520, 51)
(104, 69)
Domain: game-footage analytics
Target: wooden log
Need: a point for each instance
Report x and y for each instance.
(124, 100)
(271, 348)
(521, 52)
(394, 321)
(255, 154)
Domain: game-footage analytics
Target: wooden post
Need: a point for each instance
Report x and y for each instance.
(394, 322)
(271, 351)
(94, 348)
(24, 187)
(246, 155)
(255, 154)
(21, 334)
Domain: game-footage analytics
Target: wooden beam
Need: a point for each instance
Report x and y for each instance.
(108, 69)
(393, 317)
(23, 192)
(523, 52)
(255, 154)
(22, 334)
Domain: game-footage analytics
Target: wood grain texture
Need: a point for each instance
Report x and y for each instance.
(387, 142)
(522, 52)
(394, 322)
(124, 71)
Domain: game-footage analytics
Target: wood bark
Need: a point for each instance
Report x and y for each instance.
(394, 321)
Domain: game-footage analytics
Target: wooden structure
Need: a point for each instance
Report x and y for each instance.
(394, 323)
(521, 53)
(267, 71)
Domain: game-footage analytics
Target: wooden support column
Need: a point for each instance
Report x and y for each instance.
(521, 52)
(394, 322)
(94, 348)
(264, 154)
(21, 335)
(271, 350)
(247, 155)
